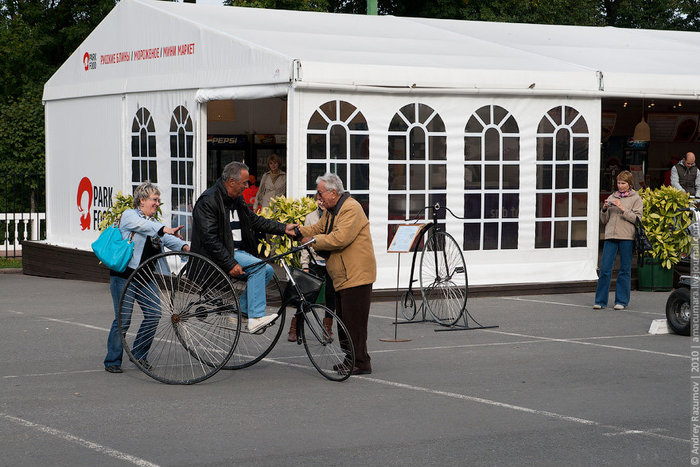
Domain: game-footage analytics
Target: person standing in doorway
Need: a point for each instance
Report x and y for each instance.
(272, 184)
(685, 175)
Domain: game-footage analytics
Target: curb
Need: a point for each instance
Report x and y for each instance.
(10, 270)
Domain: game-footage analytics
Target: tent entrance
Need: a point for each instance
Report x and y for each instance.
(673, 132)
(247, 131)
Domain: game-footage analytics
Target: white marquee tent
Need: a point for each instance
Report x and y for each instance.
(500, 122)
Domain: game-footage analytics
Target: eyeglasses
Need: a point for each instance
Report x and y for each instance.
(155, 200)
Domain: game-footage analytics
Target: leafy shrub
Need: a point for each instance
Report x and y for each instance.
(287, 211)
(665, 225)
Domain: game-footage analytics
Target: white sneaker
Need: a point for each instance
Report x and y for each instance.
(255, 324)
(619, 307)
(597, 307)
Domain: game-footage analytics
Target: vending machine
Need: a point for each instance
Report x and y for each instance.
(222, 149)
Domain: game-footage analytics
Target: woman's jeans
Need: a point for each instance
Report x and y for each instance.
(624, 276)
(253, 300)
(150, 305)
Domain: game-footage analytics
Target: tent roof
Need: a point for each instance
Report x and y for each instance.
(131, 51)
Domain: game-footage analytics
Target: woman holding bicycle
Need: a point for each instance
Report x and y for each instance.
(342, 236)
(618, 214)
(148, 236)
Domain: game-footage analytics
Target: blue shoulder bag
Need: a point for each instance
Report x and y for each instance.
(113, 251)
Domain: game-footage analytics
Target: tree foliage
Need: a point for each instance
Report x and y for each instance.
(37, 37)
(304, 5)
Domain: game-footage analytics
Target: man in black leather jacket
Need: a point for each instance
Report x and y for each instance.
(213, 237)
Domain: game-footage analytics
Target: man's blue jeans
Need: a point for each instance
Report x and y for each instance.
(150, 305)
(624, 277)
(253, 300)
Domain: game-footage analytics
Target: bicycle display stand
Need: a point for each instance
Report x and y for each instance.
(466, 326)
(402, 241)
(441, 272)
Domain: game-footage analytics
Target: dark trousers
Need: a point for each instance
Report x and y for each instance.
(352, 307)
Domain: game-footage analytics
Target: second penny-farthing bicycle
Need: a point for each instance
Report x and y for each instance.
(442, 274)
(187, 323)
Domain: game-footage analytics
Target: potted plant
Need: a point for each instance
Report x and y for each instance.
(285, 210)
(665, 225)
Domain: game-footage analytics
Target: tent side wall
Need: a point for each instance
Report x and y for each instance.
(83, 161)
(569, 208)
(95, 145)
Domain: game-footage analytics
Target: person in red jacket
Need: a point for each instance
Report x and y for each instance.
(250, 192)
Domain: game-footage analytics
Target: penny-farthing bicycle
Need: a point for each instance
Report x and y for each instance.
(186, 322)
(442, 274)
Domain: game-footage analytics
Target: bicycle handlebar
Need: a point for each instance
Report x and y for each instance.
(435, 207)
(273, 258)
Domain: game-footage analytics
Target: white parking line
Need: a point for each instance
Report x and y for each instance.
(566, 418)
(80, 441)
(617, 430)
(82, 325)
(12, 311)
(583, 342)
(520, 299)
(54, 373)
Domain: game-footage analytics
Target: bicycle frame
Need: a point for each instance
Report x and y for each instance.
(433, 225)
(303, 303)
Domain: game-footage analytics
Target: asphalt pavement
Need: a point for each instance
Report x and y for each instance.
(556, 383)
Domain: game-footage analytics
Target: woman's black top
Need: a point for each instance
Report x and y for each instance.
(149, 251)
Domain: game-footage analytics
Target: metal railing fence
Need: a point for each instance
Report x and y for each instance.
(22, 211)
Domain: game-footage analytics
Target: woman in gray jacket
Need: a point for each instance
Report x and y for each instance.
(618, 214)
(148, 236)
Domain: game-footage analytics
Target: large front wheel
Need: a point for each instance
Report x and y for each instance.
(333, 356)
(443, 278)
(181, 309)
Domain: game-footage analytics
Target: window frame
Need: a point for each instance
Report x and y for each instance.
(556, 166)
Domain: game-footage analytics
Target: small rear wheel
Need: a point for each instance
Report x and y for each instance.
(332, 355)
(678, 311)
(408, 305)
(254, 347)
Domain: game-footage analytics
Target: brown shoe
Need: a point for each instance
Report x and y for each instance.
(355, 371)
(328, 324)
(292, 336)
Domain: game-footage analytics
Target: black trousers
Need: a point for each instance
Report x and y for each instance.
(352, 307)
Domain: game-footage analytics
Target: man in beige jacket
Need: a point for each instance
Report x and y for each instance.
(342, 237)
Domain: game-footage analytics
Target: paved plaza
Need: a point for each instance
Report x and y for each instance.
(557, 383)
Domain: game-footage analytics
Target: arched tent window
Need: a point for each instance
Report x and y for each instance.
(338, 142)
(417, 164)
(143, 148)
(491, 180)
(562, 179)
(181, 169)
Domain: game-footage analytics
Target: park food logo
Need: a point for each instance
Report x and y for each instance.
(90, 61)
(92, 214)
